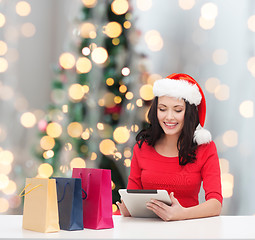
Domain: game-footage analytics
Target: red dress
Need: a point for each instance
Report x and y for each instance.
(150, 170)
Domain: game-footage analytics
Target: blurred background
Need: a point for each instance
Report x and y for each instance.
(76, 83)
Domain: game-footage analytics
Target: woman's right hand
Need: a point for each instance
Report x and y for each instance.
(123, 209)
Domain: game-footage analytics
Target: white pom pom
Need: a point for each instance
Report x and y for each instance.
(202, 136)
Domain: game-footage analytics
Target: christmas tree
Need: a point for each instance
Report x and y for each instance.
(96, 109)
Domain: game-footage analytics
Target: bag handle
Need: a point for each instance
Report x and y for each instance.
(64, 193)
(86, 195)
(22, 195)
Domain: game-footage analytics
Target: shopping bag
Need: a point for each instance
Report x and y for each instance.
(97, 207)
(40, 212)
(70, 212)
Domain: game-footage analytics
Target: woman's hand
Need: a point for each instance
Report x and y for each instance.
(166, 212)
(123, 209)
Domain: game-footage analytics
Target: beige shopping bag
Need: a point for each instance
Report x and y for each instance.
(40, 212)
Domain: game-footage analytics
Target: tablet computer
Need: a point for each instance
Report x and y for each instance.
(135, 200)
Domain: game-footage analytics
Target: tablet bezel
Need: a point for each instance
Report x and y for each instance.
(135, 200)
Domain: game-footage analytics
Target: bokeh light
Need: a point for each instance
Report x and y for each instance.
(222, 92)
(6, 157)
(23, 8)
(11, 188)
(74, 129)
(4, 205)
(119, 7)
(146, 92)
(227, 181)
(144, 5)
(220, 56)
(211, 84)
(113, 29)
(45, 170)
(77, 163)
(54, 129)
(121, 134)
(2, 20)
(76, 92)
(89, 3)
(28, 119)
(3, 65)
(186, 4)
(47, 142)
(4, 181)
(246, 109)
(230, 138)
(209, 11)
(107, 147)
(67, 60)
(154, 40)
(251, 23)
(206, 24)
(28, 29)
(3, 48)
(99, 55)
(88, 30)
(83, 65)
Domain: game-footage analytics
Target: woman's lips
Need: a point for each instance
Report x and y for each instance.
(170, 125)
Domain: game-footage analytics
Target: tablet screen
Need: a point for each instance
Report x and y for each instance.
(135, 200)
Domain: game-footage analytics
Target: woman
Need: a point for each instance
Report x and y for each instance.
(176, 153)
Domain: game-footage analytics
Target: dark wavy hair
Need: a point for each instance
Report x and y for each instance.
(185, 144)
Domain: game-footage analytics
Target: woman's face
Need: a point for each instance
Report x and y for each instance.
(171, 113)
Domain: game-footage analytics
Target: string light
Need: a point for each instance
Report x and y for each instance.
(76, 92)
(186, 4)
(89, 3)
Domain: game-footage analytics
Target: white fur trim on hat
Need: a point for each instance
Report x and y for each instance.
(178, 89)
(202, 136)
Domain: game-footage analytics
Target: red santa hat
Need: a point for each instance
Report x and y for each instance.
(183, 86)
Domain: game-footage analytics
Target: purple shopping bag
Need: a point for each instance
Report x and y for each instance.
(97, 207)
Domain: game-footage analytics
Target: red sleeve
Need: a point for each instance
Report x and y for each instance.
(134, 179)
(211, 174)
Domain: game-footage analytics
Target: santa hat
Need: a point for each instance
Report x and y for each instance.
(183, 86)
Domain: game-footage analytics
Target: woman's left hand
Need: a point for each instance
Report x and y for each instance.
(166, 212)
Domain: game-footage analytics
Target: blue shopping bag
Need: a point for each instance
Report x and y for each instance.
(70, 206)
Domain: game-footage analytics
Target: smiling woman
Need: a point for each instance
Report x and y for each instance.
(176, 153)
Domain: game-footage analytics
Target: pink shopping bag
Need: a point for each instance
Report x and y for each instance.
(97, 207)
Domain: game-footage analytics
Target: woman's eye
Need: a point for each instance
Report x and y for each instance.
(179, 110)
(162, 110)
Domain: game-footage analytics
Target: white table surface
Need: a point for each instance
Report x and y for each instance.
(223, 227)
